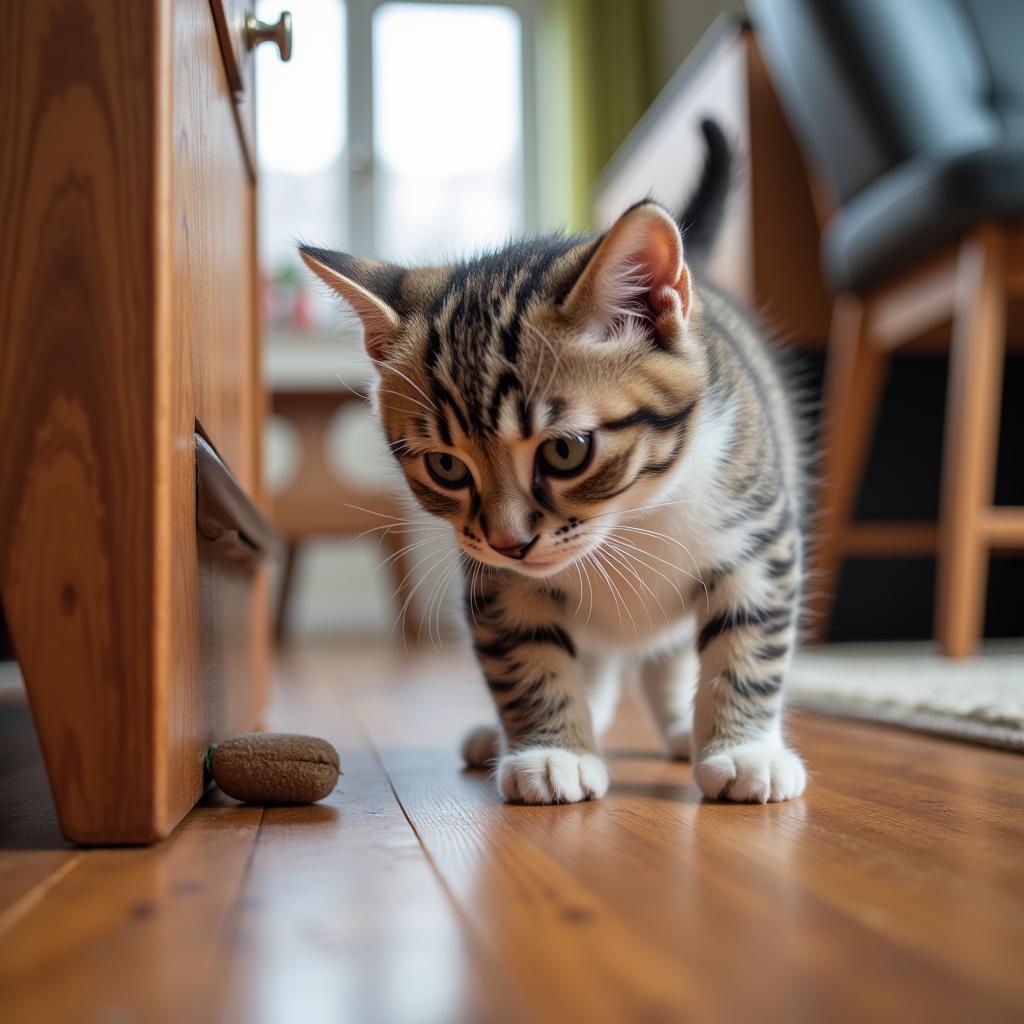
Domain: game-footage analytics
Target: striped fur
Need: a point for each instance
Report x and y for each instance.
(676, 546)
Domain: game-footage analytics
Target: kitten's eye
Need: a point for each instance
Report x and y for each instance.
(565, 456)
(447, 470)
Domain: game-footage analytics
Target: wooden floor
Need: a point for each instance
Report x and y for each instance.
(893, 891)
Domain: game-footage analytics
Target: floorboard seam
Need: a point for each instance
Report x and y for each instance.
(21, 906)
(474, 947)
(231, 918)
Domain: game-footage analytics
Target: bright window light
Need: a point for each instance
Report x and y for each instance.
(301, 105)
(447, 127)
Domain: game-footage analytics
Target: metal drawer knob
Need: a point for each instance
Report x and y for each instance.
(280, 32)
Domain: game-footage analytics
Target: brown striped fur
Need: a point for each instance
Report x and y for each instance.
(676, 542)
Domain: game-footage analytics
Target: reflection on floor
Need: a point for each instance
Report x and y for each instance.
(892, 891)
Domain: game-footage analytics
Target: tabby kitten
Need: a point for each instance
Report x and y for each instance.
(612, 437)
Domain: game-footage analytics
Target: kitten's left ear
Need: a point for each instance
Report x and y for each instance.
(370, 288)
(637, 269)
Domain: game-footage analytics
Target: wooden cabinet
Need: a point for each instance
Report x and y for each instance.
(128, 328)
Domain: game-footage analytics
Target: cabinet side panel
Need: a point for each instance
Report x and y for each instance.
(77, 426)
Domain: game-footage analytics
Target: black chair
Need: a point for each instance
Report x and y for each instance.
(911, 115)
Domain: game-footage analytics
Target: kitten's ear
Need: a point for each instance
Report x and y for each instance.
(637, 269)
(368, 286)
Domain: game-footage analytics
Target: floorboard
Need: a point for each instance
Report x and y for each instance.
(33, 853)
(886, 870)
(342, 917)
(893, 891)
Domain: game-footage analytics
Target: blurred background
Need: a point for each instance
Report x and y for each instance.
(876, 226)
(416, 130)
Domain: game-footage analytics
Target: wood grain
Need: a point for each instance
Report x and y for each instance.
(127, 313)
(896, 867)
(342, 918)
(891, 891)
(216, 680)
(87, 936)
(77, 305)
(131, 909)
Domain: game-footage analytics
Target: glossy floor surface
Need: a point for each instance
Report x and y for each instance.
(893, 891)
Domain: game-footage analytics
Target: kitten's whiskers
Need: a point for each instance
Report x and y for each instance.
(663, 536)
(616, 560)
(629, 558)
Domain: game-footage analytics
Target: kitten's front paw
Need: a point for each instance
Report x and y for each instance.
(481, 746)
(550, 775)
(753, 773)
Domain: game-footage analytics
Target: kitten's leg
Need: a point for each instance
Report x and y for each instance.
(669, 682)
(745, 645)
(481, 746)
(603, 679)
(538, 682)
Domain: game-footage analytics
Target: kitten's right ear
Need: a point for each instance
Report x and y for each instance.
(636, 270)
(368, 286)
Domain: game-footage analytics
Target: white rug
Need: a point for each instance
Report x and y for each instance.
(981, 699)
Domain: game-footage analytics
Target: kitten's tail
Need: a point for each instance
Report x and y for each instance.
(703, 215)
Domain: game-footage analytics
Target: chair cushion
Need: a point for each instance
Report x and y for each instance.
(923, 203)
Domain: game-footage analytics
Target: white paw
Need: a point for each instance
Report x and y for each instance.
(481, 746)
(550, 775)
(679, 740)
(753, 773)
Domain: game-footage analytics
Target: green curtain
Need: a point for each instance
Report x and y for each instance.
(594, 83)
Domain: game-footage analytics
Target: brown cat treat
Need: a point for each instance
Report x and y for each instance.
(274, 768)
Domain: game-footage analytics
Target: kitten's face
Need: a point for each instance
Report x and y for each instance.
(534, 396)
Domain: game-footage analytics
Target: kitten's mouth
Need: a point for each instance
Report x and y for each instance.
(537, 569)
(539, 566)
(549, 566)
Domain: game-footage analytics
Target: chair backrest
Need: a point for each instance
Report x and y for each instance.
(871, 83)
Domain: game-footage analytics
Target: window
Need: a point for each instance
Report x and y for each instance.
(447, 120)
(398, 129)
(301, 130)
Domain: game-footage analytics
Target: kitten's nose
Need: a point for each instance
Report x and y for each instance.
(512, 548)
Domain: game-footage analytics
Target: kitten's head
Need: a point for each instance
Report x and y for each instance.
(534, 395)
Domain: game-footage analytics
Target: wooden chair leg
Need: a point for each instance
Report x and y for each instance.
(972, 433)
(854, 381)
(284, 592)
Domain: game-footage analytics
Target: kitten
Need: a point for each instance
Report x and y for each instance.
(613, 438)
